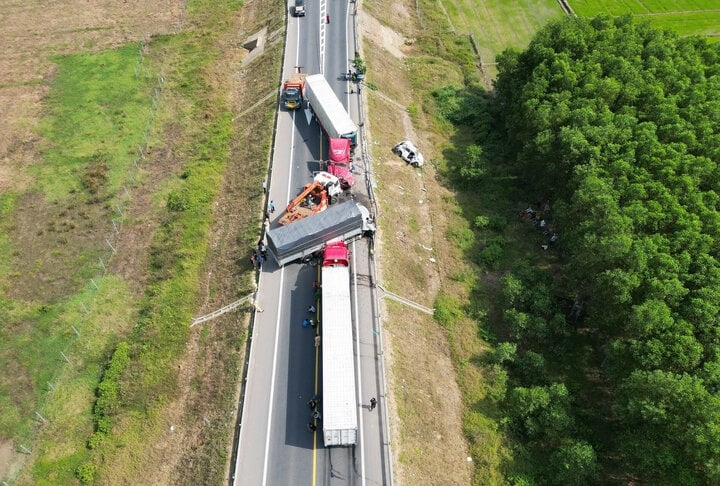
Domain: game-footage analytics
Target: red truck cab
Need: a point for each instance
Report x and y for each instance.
(338, 163)
(336, 254)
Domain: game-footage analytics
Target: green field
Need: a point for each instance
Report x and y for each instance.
(686, 17)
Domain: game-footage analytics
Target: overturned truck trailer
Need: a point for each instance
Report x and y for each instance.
(309, 235)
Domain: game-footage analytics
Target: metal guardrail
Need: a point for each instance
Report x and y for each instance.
(407, 302)
(222, 310)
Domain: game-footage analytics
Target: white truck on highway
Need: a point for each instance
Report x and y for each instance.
(340, 422)
(332, 115)
(305, 237)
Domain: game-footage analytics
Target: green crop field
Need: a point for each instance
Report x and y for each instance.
(497, 24)
(686, 17)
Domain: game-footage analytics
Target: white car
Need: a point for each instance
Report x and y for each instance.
(409, 153)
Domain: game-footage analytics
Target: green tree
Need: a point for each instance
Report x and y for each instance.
(540, 412)
(673, 427)
(574, 464)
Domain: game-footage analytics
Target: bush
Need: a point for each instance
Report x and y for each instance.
(575, 464)
(178, 202)
(497, 223)
(86, 472)
(482, 222)
(447, 310)
(462, 236)
(492, 254)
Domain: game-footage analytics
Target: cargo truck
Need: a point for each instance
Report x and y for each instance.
(307, 236)
(338, 163)
(293, 91)
(340, 421)
(330, 113)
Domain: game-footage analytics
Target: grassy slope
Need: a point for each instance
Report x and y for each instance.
(99, 115)
(461, 289)
(497, 25)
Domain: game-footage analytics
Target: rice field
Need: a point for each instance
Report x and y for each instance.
(686, 17)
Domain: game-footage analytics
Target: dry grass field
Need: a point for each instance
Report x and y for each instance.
(32, 33)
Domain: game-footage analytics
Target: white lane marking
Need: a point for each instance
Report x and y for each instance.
(280, 296)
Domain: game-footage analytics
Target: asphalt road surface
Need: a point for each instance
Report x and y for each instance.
(275, 446)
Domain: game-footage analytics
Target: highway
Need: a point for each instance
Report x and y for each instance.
(275, 446)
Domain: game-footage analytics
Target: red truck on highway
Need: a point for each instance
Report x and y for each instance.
(338, 163)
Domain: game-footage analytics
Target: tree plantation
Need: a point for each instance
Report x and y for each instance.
(611, 349)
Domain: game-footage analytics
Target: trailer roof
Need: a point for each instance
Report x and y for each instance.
(338, 357)
(325, 96)
(322, 227)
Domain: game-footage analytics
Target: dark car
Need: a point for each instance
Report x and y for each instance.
(299, 8)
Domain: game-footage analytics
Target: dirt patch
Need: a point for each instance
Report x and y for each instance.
(8, 457)
(36, 31)
(373, 31)
(52, 242)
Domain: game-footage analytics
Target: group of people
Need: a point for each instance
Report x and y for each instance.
(259, 255)
(549, 235)
(314, 405)
(310, 321)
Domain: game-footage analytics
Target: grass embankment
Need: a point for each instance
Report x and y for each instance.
(496, 24)
(469, 230)
(99, 115)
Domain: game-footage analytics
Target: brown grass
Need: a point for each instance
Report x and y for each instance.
(425, 398)
(200, 419)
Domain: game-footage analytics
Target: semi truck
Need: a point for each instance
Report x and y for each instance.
(330, 113)
(293, 91)
(307, 236)
(338, 163)
(340, 422)
(313, 198)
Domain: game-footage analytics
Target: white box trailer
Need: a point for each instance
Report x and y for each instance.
(339, 402)
(332, 115)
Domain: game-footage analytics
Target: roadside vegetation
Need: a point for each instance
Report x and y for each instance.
(626, 154)
(142, 147)
(558, 385)
(443, 394)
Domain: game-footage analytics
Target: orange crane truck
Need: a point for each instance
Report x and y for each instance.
(315, 197)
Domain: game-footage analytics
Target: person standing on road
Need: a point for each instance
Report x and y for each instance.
(373, 404)
(264, 186)
(272, 206)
